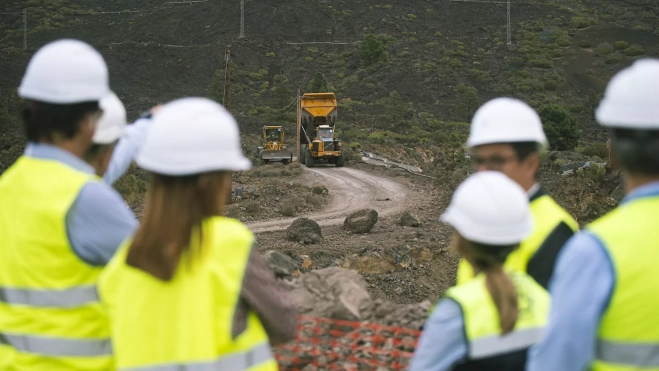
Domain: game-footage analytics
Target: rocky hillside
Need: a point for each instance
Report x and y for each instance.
(408, 75)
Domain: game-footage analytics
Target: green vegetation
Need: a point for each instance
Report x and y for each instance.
(561, 128)
(634, 51)
(621, 45)
(604, 48)
(318, 84)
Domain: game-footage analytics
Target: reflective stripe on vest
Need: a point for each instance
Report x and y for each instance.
(231, 362)
(636, 355)
(50, 315)
(628, 334)
(59, 347)
(67, 298)
(547, 215)
(494, 345)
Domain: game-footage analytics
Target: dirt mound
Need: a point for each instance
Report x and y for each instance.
(361, 221)
(305, 231)
(342, 294)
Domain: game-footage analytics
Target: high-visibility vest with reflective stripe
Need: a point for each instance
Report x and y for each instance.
(186, 323)
(547, 215)
(487, 349)
(628, 337)
(50, 315)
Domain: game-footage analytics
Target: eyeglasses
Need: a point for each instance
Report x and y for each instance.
(494, 162)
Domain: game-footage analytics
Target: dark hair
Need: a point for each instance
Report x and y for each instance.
(490, 259)
(172, 220)
(41, 120)
(95, 150)
(524, 149)
(637, 151)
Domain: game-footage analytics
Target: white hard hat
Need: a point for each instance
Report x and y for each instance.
(490, 208)
(505, 120)
(631, 99)
(65, 72)
(191, 136)
(112, 124)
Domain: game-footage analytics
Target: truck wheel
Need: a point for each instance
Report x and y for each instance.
(310, 161)
(303, 156)
(340, 161)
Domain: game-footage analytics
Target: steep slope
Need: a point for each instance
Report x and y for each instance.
(443, 58)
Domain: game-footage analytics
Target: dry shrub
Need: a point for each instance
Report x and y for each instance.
(319, 189)
(287, 209)
(232, 211)
(252, 207)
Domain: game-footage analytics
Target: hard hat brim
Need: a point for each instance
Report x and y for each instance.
(182, 166)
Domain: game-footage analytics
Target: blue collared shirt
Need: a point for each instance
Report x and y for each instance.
(581, 288)
(99, 220)
(126, 150)
(442, 344)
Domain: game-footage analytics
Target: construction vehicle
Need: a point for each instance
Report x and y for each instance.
(316, 127)
(273, 146)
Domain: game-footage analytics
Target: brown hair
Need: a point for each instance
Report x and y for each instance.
(175, 209)
(490, 259)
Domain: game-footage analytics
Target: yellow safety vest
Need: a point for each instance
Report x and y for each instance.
(547, 215)
(50, 315)
(186, 323)
(487, 349)
(628, 337)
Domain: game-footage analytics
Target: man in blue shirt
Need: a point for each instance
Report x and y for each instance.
(604, 293)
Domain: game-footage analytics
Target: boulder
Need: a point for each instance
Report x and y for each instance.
(361, 221)
(304, 230)
(409, 220)
(281, 264)
(332, 293)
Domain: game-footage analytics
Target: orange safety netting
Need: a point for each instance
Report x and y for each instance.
(326, 344)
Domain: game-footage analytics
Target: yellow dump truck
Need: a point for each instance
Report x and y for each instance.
(317, 121)
(273, 146)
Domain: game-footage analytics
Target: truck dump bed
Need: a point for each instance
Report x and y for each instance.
(318, 108)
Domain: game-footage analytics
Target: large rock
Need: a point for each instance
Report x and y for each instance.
(332, 293)
(304, 230)
(387, 260)
(281, 264)
(342, 294)
(409, 220)
(361, 221)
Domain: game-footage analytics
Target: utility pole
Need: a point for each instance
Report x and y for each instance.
(242, 18)
(298, 125)
(227, 79)
(24, 29)
(509, 41)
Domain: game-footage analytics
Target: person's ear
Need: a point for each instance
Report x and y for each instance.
(531, 164)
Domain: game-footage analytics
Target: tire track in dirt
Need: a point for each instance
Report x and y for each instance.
(351, 190)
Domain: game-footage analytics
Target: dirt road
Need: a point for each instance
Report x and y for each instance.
(351, 190)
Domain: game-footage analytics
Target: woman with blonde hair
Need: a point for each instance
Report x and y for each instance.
(489, 322)
(187, 291)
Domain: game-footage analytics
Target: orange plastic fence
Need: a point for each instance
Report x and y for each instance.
(326, 344)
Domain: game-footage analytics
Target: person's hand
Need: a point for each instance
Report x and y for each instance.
(155, 109)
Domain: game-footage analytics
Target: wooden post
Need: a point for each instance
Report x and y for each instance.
(227, 80)
(242, 19)
(299, 113)
(24, 29)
